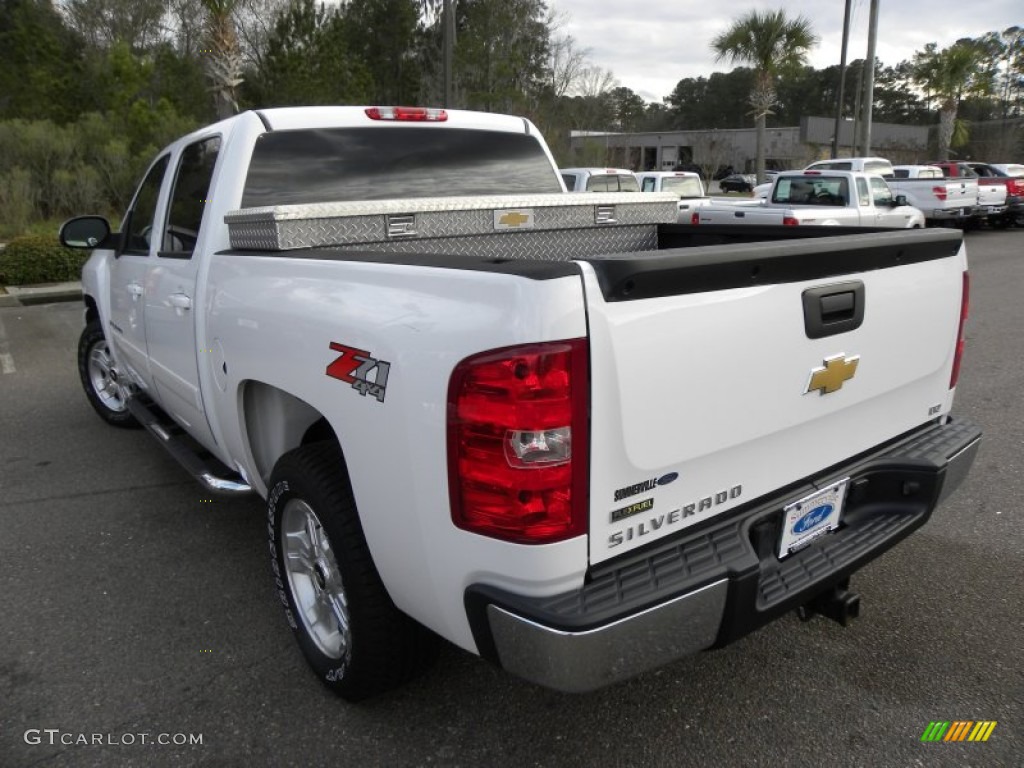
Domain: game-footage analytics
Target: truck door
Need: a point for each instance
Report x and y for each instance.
(881, 196)
(127, 333)
(170, 308)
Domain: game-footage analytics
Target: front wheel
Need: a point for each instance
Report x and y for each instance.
(352, 635)
(105, 386)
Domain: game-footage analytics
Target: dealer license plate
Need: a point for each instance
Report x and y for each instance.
(812, 516)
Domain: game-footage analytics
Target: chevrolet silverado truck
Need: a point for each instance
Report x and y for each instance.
(817, 198)
(560, 431)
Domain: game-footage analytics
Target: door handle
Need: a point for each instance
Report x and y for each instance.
(180, 301)
(134, 289)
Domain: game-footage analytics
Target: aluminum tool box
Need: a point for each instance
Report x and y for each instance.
(563, 226)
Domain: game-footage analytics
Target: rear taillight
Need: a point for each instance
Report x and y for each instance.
(695, 218)
(965, 302)
(940, 192)
(790, 221)
(518, 451)
(411, 114)
(1015, 187)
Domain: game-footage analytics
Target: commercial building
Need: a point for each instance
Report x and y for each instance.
(788, 147)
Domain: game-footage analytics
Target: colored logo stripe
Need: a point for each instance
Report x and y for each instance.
(935, 731)
(982, 731)
(958, 730)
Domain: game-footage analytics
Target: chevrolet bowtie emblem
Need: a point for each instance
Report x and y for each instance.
(513, 219)
(831, 376)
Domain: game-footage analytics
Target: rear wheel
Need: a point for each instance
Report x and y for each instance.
(352, 635)
(106, 387)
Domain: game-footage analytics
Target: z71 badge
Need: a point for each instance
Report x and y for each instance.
(354, 367)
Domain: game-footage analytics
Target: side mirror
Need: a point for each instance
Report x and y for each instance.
(899, 200)
(84, 232)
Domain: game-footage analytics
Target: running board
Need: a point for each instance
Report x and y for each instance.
(199, 463)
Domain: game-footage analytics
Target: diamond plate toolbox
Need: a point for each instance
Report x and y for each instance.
(428, 222)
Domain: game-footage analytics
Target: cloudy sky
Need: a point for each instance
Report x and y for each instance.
(650, 45)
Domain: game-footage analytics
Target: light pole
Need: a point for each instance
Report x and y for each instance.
(448, 29)
(842, 80)
(869, 83)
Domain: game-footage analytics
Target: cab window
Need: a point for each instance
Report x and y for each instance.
(880, 192)
(189, 197)
(139, 219)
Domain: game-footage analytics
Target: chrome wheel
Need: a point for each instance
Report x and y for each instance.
(105, 380)
(315, 580)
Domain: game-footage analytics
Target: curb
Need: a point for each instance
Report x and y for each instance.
(27, 295)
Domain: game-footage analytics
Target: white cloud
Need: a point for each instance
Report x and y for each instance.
(650, 46)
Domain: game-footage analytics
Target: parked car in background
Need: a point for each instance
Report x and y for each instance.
(943, 200)
(1000, 197)
(685, 184)
(818, 198)
(599, 180)
(917, 172)
(1010, 169)
(738, 182)
(876, 165)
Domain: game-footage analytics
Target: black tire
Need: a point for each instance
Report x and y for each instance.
(99, 378)
(382, 648)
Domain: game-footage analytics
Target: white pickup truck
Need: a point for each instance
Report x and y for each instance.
(817, 198)
(686, 185)
(545, 427)
(942, 201)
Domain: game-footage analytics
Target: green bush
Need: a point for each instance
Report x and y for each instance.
(39, 259)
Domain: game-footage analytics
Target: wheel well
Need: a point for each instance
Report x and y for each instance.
(276, 422)
(91, 311)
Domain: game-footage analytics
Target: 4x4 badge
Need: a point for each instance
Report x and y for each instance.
(354, 367)
(832, 375)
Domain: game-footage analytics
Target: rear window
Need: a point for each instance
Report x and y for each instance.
(345, 164)
(612, 183)
(684, 186)
(816, 190)
(880, 167)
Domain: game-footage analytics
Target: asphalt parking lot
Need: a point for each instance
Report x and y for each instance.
(131, 606)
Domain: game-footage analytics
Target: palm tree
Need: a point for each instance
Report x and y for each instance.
(223, 55)
(772, 44)
(950, 75)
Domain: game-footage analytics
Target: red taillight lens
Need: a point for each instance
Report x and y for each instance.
(940, 192)
(412, 114)
(518, 450)
(790, 221)
(965, 302)
(695, 218)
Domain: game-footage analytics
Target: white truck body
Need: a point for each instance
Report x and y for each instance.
(817, 198)
(676, 405)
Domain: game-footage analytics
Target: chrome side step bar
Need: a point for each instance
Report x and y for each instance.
(205, 468)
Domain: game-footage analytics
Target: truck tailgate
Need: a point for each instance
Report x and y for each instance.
(709, 391)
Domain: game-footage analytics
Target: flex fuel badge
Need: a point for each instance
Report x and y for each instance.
(354, 367)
